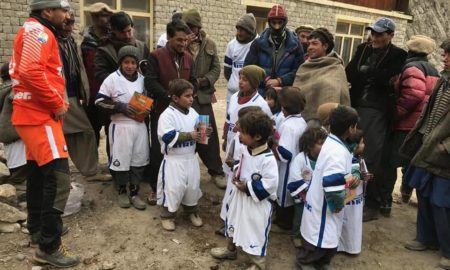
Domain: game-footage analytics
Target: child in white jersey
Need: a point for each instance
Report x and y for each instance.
(350, 240)
(292, 103)
(301, 172)
(232, 156)
(249, 79)
(323, 216)
(255, 182)
(128, 137)
(179, 175)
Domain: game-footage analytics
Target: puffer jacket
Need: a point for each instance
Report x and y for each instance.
(262, 53)
(416, 83)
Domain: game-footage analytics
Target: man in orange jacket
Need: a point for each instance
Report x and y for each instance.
(39, 107)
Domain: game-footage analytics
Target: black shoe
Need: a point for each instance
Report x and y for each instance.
(385, 209)
(370, 214)
(34, 238)
(59, 258)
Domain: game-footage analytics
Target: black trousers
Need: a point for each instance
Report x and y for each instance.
(209, 153)
(155, 152)
(374, 123)
(48, 189)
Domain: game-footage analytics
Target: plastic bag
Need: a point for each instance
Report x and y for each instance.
(73, 204)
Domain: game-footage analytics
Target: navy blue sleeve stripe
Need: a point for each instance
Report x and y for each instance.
(259, 190)
(332, 180)
(286, 154)
(168, 137)
(228, 60)
(293, 186)
(99, 95)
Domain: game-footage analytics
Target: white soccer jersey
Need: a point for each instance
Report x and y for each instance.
(291, 129)
(320, 227)
(300, 174)
(171, 122)
(119, 89)
(234, 58)
(248, 216)
(15, 154)
(234, 107)
(278, 118)
(351, 236)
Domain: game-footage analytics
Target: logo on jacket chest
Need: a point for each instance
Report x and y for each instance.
(22, 95)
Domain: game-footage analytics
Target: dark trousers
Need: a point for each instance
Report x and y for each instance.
(374, 123)
(98, 119)
(132, 178)
(433, 224)
(155, 151)
(209, 153)
(310, 254)
(284, 217)
(390, 162)
(48, 189)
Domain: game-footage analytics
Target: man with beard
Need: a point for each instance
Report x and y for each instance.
(39, 107)
(93, 37)
(78, 132)
(303, 32)
(277, 51)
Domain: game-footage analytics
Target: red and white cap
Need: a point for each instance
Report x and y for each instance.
(277, 12)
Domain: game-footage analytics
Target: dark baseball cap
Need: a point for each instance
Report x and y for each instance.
(381, 25)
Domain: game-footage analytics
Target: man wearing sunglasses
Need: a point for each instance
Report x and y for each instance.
(371, 73)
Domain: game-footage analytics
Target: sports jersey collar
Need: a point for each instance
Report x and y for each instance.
(294, 116)
(258, 150)
(175, 106)
(336, 138)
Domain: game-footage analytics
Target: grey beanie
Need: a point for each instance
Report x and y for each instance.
(43, 4)
(128, 50)
(248, 23)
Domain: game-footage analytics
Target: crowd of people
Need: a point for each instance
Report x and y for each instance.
(311, 146)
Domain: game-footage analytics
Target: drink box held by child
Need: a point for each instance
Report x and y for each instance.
(203, 124)
(141, 105)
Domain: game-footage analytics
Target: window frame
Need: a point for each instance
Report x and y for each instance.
(351, 21)
(148, 14)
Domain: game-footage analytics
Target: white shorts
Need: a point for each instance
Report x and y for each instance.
(226, 195)
(128, 145)
(350, 240)
(15, 154)
(179, 182)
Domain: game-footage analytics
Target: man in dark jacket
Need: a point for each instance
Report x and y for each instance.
(206, 70)
(277, 51)
(428, 144)
(371, 72)
(165, 64)
(93, 37)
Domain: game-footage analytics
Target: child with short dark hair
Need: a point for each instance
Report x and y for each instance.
(323, 216)
(301, 172)
(350, 240)
(248, 218)
(292, 103)
(179, 175)
(272, 100)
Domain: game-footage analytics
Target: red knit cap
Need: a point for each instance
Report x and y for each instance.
(277, 12)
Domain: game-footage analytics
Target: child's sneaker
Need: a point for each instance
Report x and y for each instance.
(196, 220)
(223, 253)
(168, 224)
(138, 203)
(151, 199)
(258, 263)
(123, 200)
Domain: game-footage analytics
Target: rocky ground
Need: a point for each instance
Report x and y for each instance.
(108, 237)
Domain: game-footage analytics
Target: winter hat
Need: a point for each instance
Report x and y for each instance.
(43, 4)
(99, 7)
(128, 50)
(120, 21)
(277, 12)
(254, 74)
(192, 17)
(421, 44)
(323, 112)
(248, 23)
(324, 35)
(304, 28)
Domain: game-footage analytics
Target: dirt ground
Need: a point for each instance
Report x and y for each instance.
(130, 239)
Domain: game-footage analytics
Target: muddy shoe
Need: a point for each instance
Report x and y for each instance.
(385, 209)
(220, 231)
(223, 253)
(444, 263)
(138, 203)
(415, 245)
(168, 224)
(61, 258)
(297, 242)
(370, 214)
(258, 263)
(151, 199)
(34, 238)
(196, 220)
(98, 177)
(123, 200)
(219, 181)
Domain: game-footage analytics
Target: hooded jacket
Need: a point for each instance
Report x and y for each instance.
(262, 53)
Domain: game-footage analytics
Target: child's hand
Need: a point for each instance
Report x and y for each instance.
(196, 136)
(229, 162)
(209, 131)
(240, 184)
(130, 110)
(366, 176)
(352, 181)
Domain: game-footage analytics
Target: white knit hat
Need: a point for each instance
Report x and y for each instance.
(43, 4)
(421, 44)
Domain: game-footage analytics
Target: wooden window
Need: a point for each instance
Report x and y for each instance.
(139, 10)
(347, 38)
